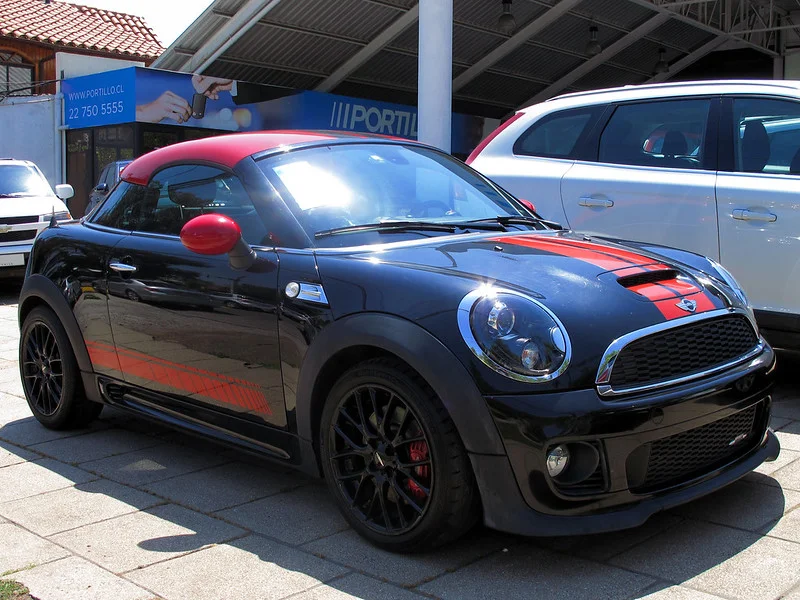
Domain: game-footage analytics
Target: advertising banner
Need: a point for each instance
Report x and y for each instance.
(182, 99)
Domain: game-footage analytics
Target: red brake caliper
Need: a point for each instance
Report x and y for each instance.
(419, 451)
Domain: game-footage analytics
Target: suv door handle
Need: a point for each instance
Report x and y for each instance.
(596, 202)
(743, 214)
(122, 267)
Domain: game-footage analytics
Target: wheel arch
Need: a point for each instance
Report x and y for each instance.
(356, 338)
(38, 290)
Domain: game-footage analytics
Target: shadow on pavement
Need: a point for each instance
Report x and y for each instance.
(288, 536)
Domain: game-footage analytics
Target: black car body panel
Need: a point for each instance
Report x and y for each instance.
(226, 353)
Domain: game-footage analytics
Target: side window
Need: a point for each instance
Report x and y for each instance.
(766, 136)
(668, 134)
(123, 207)
(178, 194)
(558, 135)
(103, 175)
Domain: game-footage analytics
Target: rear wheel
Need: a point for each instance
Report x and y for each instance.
(50, 374)
(394, 461)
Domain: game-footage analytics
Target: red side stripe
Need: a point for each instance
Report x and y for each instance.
(217, 386)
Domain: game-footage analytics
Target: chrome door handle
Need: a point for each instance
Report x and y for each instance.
(596, 202)
(122, 267)
(743, 214)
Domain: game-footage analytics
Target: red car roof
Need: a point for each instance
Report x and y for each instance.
(225, 150)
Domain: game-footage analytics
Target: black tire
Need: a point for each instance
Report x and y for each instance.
(50, 375)
(416, 521)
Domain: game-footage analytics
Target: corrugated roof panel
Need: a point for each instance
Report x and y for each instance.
(229, 6)
(541, 63)
(408, 40)
(617, 12)
(642, 55)
(572, 33)
(255, 74)
(680, 34)
(389, 67)
(469, 45)
(358, 19)
(203, 30)
(285, 48)
(606, 76)
(500, 90)
(484, 13)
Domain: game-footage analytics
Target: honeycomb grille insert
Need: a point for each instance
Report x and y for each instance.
(683, 351)
(691, 453)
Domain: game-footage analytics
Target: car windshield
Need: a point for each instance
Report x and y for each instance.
(20, 180)
(390, 188)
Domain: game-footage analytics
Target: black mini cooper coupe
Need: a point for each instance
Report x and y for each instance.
(375, 312)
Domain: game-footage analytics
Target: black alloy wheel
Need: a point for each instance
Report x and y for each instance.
(393, 459)
(381, 460)
(50, 375)
(42, 369)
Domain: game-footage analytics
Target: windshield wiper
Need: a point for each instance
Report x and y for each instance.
(388, 227)
(511, 220)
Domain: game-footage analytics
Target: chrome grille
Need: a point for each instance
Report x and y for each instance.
(678, 353)
(17, 236)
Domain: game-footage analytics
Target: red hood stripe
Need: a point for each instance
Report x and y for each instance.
(590, 255)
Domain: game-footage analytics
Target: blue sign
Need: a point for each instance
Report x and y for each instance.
(156, 96)
(100, 99)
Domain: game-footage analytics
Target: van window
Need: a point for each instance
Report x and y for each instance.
(558, 135)
(766, 136)
(666, 134)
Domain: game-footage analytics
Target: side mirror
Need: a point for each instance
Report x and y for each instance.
(101, 187)
(64, 191)
(528, 204)
(213, 234)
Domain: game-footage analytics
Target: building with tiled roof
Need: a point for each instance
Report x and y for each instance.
(32, 31)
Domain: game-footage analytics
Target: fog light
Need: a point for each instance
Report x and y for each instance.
(557, 460)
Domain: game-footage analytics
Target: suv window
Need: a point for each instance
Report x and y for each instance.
(558, 135)
(178, 194)
(666, 134)
(22, 180)
(766, 136)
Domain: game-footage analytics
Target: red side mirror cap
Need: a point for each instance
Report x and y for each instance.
(211, 234)
(528, 204)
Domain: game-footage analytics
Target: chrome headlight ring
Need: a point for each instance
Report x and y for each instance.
(514, 334)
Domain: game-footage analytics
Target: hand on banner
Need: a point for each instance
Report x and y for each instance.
(211, 86)
(167, 106)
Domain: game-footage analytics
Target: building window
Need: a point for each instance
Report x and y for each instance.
(16, 77)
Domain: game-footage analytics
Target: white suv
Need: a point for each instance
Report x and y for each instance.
(27, 204)
(709, 166)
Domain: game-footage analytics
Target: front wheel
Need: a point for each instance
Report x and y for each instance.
(50, 374)
(394, 461)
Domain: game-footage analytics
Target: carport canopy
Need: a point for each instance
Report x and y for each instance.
(539, 49)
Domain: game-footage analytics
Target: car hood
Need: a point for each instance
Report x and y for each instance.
(30, 205)
(600, 290)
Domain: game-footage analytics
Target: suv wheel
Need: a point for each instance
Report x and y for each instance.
(50, 375)
(394, 461)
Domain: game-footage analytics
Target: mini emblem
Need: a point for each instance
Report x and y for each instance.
(687, 305)
(737, 439)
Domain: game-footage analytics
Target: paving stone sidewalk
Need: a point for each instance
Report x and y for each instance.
(131, 511)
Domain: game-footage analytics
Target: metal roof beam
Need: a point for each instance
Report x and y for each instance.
(515, 41)
(227, 35)
(687, 60)
(594, 62)
(703, 26)
(378, 43)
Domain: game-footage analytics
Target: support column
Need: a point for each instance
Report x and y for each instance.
(435, 79)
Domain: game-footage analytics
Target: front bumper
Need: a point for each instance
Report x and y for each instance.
(9, 250)
(681, 423)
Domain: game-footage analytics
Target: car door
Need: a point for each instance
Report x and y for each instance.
(653, 178)
(188, 326)
(757, 196)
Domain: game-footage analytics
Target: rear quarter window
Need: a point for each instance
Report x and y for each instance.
(559, 135)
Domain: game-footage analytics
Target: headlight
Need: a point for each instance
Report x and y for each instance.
(514, 334)
(730, 281)
(60, 216)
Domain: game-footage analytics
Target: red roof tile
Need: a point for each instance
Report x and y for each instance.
(65, 24)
